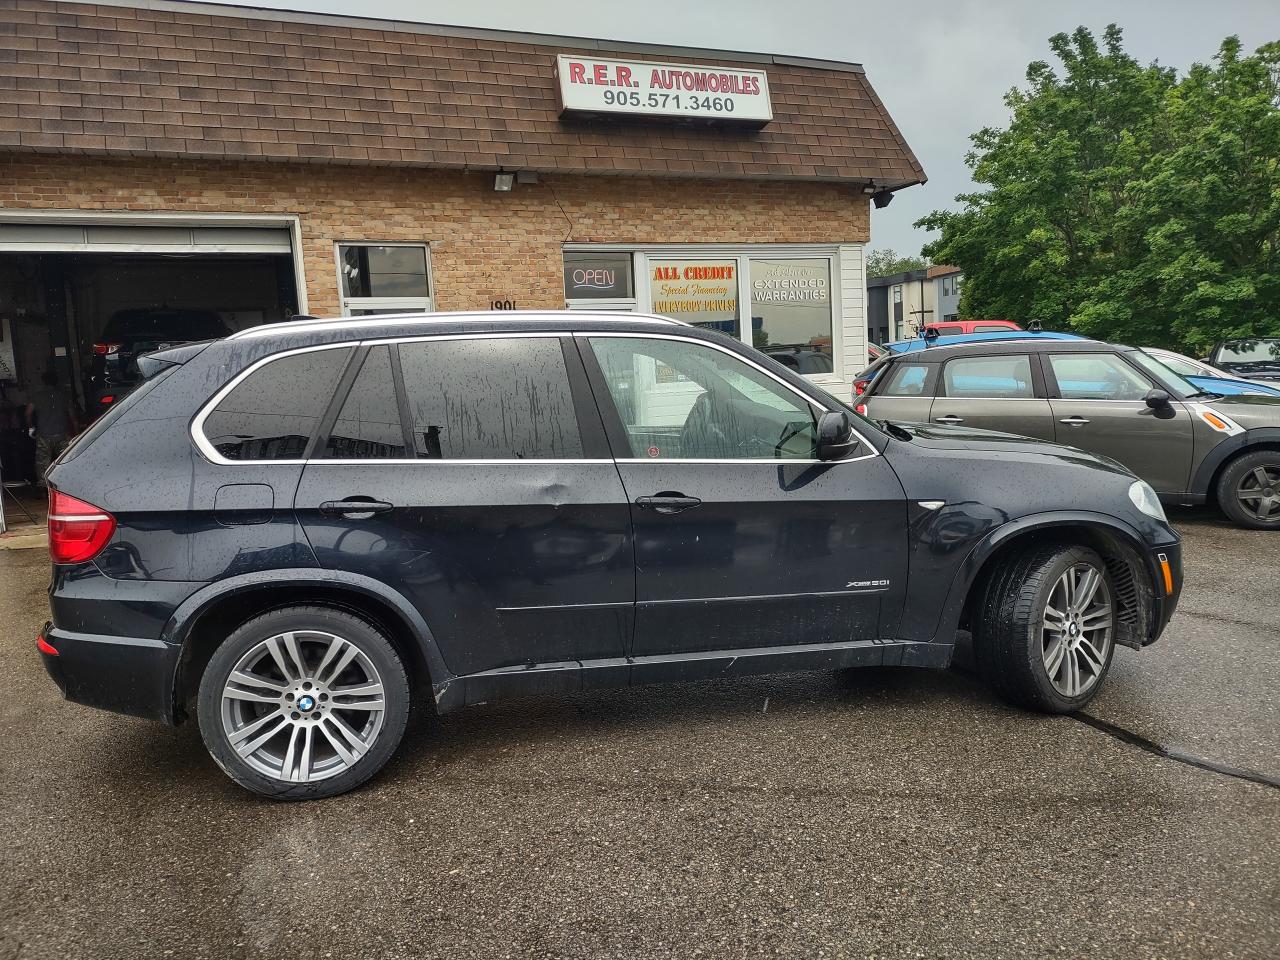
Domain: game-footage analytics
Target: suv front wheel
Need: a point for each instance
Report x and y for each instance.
(1045, 633)
(303, 702)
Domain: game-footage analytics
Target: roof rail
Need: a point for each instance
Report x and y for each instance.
(304, 325)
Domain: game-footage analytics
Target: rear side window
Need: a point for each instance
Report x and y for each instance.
(273, 413)
(991, 328)
(948, 329)
(368, 425)
(1002, 377)
(487, 399)
(905, 380)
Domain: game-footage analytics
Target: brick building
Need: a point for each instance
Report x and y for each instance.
(181, 160)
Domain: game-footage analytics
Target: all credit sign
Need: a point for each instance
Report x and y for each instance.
(640, 88)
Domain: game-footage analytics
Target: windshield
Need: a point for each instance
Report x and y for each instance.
(1165, 372)
(1250, 351)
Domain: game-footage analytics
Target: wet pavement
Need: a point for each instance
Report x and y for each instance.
(885, 813)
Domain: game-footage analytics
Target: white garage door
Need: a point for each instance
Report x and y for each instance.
(138, 238)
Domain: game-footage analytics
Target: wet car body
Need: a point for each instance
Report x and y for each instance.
(509, 577)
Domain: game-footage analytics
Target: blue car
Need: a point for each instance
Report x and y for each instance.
(921, 343)
(1226, 387)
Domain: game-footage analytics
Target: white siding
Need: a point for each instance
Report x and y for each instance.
(852, 319)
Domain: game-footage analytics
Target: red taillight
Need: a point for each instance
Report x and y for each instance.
(77, 530)
(44, 646)
(860, 387)
(107, 400)
(861, 408)
(102, 349)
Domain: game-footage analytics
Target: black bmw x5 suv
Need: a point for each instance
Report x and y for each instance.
(297, 533)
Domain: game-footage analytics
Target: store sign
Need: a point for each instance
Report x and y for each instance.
(588, 85)
(704, 292)
(597, 276)
(790, 281)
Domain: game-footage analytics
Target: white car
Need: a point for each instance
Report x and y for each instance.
(1187, 367)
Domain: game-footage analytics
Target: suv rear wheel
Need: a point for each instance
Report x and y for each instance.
(1045, 633)
(1249, 490)
(303, 702)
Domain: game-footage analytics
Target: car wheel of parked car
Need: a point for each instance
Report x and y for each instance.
(1249, 490)
(303, 702)
(1045, 633)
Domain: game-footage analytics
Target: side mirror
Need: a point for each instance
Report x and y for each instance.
(1155, 399)
(835, 436)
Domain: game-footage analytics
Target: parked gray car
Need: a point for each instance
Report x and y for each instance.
(1191, 446)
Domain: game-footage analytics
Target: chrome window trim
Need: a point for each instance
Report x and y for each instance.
(419, 317)
(774, 461)
(207, 450)
(1001, 399)
(197, 423)
(747, 360)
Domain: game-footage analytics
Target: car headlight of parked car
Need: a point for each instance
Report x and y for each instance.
(1145, 499)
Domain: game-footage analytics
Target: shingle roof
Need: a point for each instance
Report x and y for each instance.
(155, 78)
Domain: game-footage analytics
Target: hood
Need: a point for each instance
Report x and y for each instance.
(1248, 410)
(987, 443)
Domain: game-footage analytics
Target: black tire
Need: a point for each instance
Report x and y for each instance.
(373, 650)
(1243, 475)
(1009, 635)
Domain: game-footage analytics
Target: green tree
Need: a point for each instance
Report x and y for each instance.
(882, 263)
(1126, 202)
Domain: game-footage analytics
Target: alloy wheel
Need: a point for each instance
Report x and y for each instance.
(1259, 493)
(303, 706)
(1077, 630)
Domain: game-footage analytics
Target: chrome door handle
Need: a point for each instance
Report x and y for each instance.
(949, 418)
(1074, 421)
(355, 508)
(667, 502)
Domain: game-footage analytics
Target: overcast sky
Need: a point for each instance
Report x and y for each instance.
(940, 66)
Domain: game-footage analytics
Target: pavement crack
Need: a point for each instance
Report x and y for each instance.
(1200, 763)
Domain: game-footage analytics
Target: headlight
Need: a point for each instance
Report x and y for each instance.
(1145, 499)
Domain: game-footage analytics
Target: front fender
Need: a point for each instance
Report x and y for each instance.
(178, 629)
(1224, 451)
(967, 573)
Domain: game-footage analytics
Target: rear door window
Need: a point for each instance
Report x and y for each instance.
(948, 329)
(490, 398)
(991, 328)
(273, 413)
(368, 425)
(1005, 377)
(905, 380)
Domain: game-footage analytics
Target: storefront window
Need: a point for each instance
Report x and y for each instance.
(383, 278)
(785, 306)
(701, 292)
(791, 312)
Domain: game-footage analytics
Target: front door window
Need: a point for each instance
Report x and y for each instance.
(684, 401)
(1097, 376)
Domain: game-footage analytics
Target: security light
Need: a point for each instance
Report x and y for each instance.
(882, 199)
(503, 182)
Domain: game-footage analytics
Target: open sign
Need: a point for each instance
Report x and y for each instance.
(597, 276)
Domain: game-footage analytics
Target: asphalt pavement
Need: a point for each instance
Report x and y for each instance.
(882, 813)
